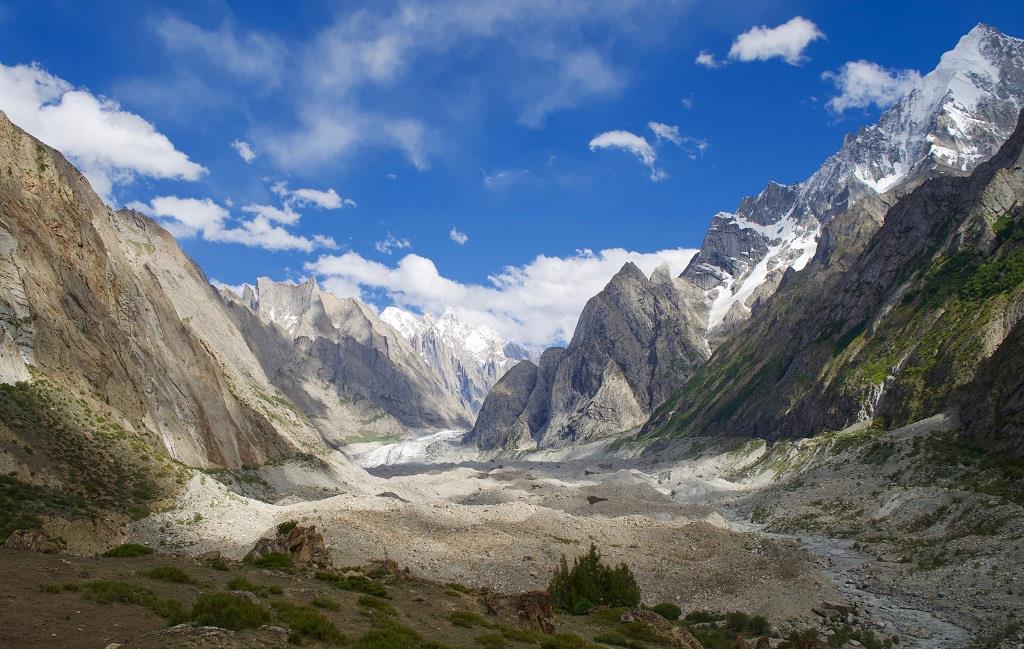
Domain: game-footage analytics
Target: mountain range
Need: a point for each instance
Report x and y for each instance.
(874, 290)
(955, 118)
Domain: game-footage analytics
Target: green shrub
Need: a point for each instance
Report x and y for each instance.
(468, 620)
(519, 634)
(668, 611)
(701, 617)
(285, 527)
(325, 603)
(228, 611)
(376, 604)
(618, 640)
(128, 550)
(307, 622)
(390, 635)
(170, 574)
(274, 561)
(491, 641)
(566, 641)
(590, 583)
(355, 583)
(275, 590)
(110, 591)
(241, 583)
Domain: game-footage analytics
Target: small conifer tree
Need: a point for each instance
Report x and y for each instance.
(590, 583)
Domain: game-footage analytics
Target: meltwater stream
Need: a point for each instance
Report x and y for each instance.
(918, 629)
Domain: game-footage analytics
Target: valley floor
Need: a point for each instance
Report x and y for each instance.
(855, 517)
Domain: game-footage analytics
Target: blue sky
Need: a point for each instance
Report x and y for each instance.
(424, 124)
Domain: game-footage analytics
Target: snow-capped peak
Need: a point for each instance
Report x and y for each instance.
(469, 358)
(953, 118)
(406, 324)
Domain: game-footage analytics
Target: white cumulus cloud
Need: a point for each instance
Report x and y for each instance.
(244, 150)
(458, 237)
(536, 304)
(631, 143)
(786, 42)
(862, 83)
(109, 145)
(194, 217)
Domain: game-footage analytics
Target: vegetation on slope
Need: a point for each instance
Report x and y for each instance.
(74, 462)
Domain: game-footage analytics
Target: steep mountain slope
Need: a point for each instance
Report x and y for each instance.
(892, 332)
(633, 345)
(957, 116)
(340, 350)
(108, 310)
(469, 360)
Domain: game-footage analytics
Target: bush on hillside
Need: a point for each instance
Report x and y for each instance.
(591, 583)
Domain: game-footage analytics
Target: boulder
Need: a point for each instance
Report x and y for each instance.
(839, 607)
(681, 638)
(302, 543)
(532, 609)
(31, 540)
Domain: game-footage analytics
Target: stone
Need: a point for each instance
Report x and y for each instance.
(532, 609)
(302, 543)
(33, 540)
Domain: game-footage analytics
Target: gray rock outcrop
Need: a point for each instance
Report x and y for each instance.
(635, 342)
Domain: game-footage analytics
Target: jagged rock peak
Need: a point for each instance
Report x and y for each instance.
(468, 358)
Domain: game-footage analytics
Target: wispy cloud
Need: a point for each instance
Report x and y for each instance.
(392, 243)
(630, 143)
(458, 237)
(537, 58)
(252, 56)
(244, 150)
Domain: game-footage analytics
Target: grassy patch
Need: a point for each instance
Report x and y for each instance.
(354, 583)
(170, 574)
(491, 641)
(307, 622)
(228, 611)
(376, 604)
(325, 603)
(285, 527)
(120, 592)
(274, 561)
(468, 620)
(616, 639)
(126, 550)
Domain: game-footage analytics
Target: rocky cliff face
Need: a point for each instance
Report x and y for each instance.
(957, 117)
(895, 332)
(105, 305)
(469, 360)
(636, 342)
(346, 351)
